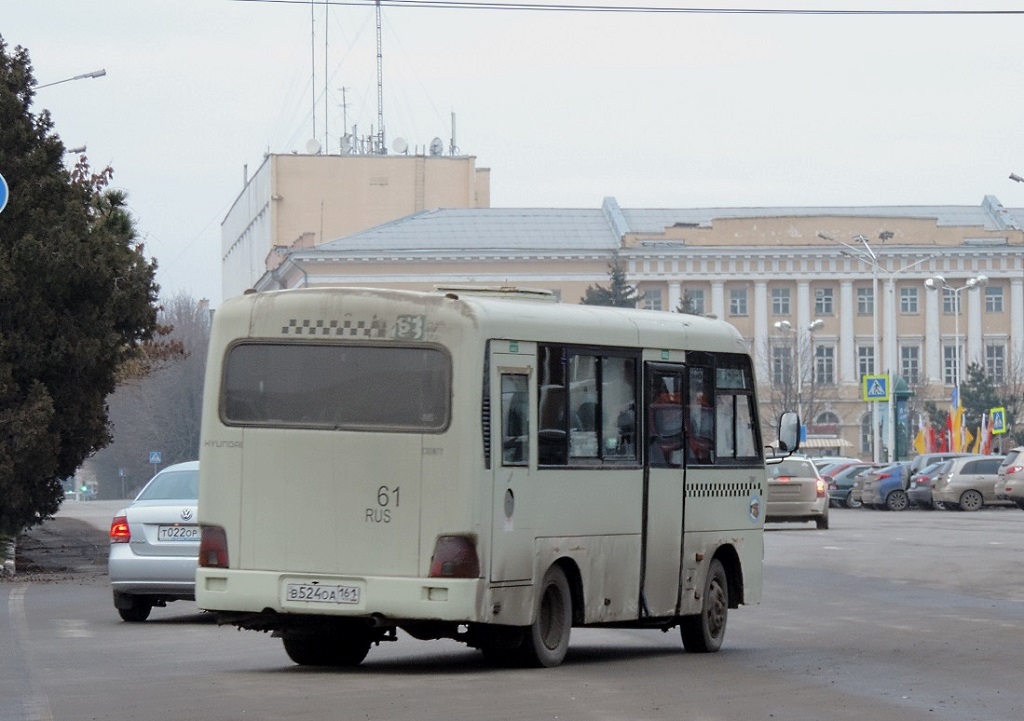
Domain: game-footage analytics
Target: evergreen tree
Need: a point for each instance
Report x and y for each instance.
(77, 297)
(618, 294)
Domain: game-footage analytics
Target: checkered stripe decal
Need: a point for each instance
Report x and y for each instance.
(375, 328)
(722, 489)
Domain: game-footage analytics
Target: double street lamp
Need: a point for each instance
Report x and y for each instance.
(787, 327)
(936, 282)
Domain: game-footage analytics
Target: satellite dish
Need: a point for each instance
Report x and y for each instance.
(436, 146)
(400, 146)
(313, 146)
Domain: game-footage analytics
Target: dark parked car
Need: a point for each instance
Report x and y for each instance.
(919, 489)
(840, 479)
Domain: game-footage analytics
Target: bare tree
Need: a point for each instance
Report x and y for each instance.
(160, 411)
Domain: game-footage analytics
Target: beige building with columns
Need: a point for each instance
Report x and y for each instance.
(861, 271)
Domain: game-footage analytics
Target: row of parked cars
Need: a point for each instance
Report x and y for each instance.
(803, 489)
(964, 481)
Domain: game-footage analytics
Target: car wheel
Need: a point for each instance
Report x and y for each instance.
(822, 522)
(1020, 505)
(971, 500)
(137, 612)
(941, 506)
(547, 639)
(897, 500)
(330, 650)
(704, 633)
(852, 502)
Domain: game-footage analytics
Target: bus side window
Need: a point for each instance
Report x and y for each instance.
(515, 420)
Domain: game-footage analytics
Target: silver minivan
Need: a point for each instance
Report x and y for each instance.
(967, 483)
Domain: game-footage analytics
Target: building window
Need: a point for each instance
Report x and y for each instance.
(995, 362)
(651, 300)
(695, 300)
(823, 301)
(910, 363)
(825, 365)
(865, 301)
(950, 302)
(782, 364)
(780, 301)
(738, 301)
(949, 364)
(993, 299)
(865, 360)
(908, 300)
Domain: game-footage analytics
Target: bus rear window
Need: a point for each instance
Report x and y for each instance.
(338, 387)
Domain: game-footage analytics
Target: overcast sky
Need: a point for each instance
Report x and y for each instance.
(657, 110)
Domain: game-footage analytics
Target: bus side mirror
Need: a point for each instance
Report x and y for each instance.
(789, 432)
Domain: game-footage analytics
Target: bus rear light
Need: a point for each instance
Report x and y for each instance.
(213, 547)
(119, 530)
(455, 557)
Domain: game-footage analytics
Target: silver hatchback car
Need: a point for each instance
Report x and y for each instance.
(967, 483)
(154, 544)
(796, 492)
(1010, 483)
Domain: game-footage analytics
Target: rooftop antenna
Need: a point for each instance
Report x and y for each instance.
(312, 57)
(380, 89)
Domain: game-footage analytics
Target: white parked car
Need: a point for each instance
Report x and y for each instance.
(154, 544)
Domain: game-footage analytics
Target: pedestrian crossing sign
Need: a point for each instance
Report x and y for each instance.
(998, 420)
(875, 388)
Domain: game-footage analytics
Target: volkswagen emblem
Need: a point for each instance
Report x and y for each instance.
(186, 514)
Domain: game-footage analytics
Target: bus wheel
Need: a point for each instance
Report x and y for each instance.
(349, 650)
(547, 639)
(705, 633)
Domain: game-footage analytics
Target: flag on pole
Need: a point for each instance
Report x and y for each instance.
(986, 433)
(921, 441)
(956, 428)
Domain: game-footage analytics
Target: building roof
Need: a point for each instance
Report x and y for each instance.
(487, 229)
(602, 229)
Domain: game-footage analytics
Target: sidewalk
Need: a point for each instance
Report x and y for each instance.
(74, 541)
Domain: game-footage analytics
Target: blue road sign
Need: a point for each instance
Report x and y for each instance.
(4, 193)
(155, 457)
(875, 388)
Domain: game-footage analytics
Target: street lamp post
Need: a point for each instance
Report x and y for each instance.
(787, 327)
(83, 76)
(936, 282)
(867, 255)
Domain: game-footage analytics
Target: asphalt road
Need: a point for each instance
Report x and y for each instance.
(884, 617)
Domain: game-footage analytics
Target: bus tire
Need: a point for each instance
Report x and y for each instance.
(705, 632)
(328, 650)
(546, 640)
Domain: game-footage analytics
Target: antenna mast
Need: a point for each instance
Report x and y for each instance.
(380, 89)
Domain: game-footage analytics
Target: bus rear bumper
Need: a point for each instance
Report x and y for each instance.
(395, 599)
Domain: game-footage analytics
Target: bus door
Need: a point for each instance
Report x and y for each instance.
(664, 487)
(513, 459)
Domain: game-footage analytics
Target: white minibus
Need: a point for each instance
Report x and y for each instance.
(485, 465)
